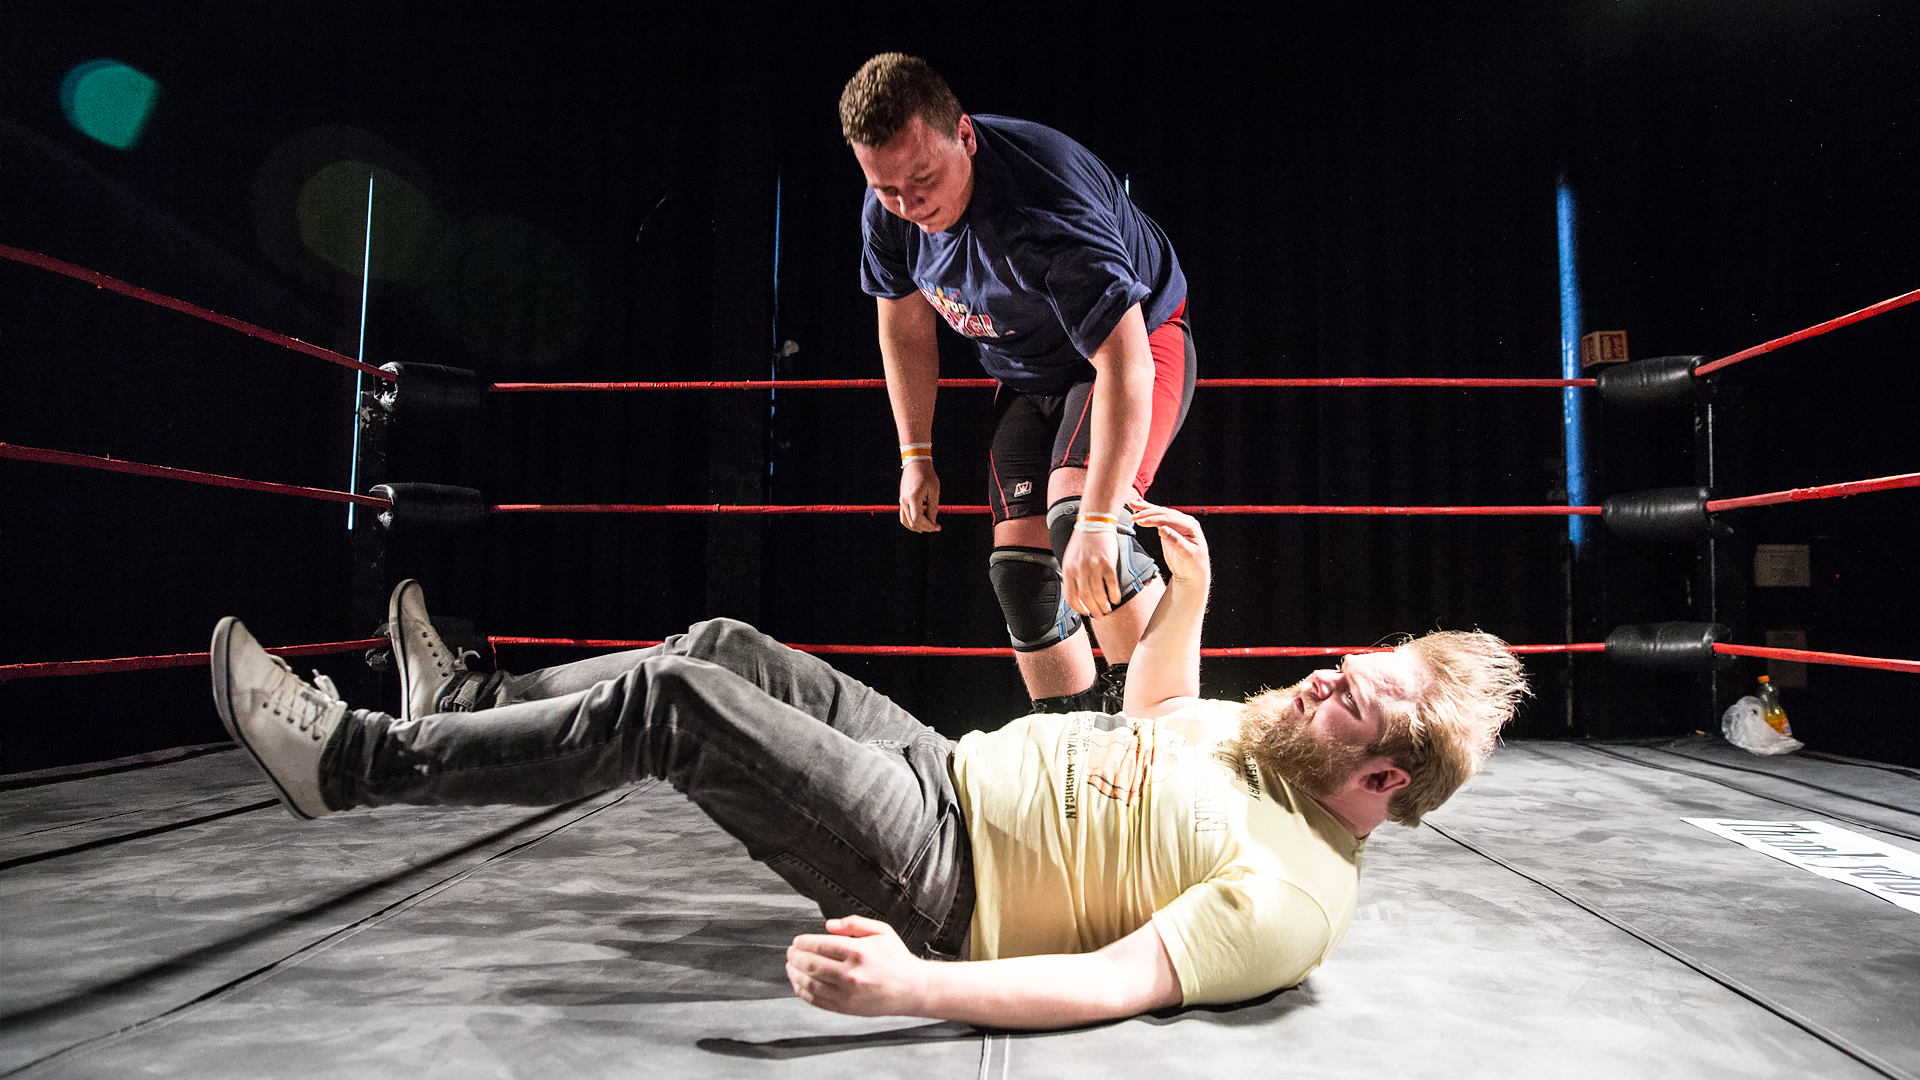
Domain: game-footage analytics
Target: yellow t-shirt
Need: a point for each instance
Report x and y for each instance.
(1085, 826)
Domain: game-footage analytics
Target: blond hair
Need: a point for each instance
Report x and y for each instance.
(1444, 736)
(890, 90)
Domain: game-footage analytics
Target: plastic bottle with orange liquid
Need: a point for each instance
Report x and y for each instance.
(1770, 710)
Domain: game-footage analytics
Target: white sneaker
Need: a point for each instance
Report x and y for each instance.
(283, 722)
(424, 662)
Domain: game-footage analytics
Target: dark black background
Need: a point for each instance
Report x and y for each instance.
(1357, 189)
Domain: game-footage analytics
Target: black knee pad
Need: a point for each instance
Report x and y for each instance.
(1027, 581)
(1137, 568)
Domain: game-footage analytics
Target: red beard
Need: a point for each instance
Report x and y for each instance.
(1277, 736)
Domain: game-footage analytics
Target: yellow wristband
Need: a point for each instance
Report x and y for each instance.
(913, 451)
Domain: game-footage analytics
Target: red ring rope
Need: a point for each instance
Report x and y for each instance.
(1358, 382)
(725, 384)
(147, 663)
(1229, 652)
(99, 280)
(106, 464)
(1395, 511)
(1812, 331)
(987, 384)
(964, 509)
(62, 457)
(1829, 491)
(58, 266)
(716, 508)
(1241, 652)
(170, 660)
(1911, 667)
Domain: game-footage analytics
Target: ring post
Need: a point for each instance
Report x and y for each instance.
(1573, 422)
(421, 426)
(1720, 579)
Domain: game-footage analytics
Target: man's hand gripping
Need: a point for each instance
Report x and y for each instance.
(1182, 543)
(1090, 572)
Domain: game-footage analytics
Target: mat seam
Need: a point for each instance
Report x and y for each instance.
(314, 948)
(1774, 776)
(66, 774)
(137, 834)
(1811, 1027)
(1860, 763)
(1849, 819)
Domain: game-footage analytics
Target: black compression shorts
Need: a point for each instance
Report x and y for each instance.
(1034, 434)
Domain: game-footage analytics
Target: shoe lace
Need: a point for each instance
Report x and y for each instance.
(447, 661)
(313, 709)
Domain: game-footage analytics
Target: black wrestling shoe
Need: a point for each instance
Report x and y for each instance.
(1092, 699)
(1113, 689)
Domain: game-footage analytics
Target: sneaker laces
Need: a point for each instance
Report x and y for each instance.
(443, 665)
(446, 661)
(313, 709)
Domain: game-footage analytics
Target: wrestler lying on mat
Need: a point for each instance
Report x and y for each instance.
(1093, 866)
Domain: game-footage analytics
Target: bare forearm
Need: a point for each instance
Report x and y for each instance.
(862, 968)
(1122, 414)
(1039, 992)
(910, 354)
(1166, 663)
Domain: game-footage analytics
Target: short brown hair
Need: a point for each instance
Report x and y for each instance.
(1445, 735)
(890, 90)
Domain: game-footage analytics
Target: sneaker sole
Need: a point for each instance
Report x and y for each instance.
(223, 704)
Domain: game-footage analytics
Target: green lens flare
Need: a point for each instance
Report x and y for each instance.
(108, 101)
(330, 213)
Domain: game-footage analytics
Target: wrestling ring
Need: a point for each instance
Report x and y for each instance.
(1574, 902)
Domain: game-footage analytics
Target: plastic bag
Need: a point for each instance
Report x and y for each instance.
(1745, 726)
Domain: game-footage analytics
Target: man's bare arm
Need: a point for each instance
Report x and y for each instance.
(910, 354)
(1165, 672)
(1122, 419)
(862, 968)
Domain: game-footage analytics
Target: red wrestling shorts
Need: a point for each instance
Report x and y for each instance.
(1034, 434)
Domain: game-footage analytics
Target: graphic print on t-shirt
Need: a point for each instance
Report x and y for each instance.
(948, 303)
(1119, 767)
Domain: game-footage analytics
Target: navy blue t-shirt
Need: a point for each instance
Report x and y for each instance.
(1048, 256)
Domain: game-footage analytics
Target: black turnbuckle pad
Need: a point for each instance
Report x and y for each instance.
(431, 390)
(1653, 383)
(1668, 646)
(431, 507)
(1660, 514)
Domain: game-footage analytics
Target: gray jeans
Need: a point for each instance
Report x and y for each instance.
(825, 780)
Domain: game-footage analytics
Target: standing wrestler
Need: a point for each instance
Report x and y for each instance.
(1025, 243)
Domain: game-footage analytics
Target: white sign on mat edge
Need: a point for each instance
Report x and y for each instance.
(1875, 866)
